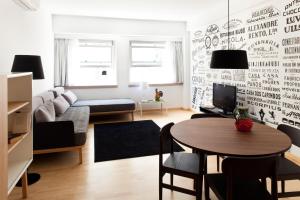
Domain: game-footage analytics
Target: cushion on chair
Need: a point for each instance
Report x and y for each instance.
(70, 97)
(79, 116)
(45, 112)
(107, 105)
(188, 162)
(60, 105)
(287, 170)
(242, 189)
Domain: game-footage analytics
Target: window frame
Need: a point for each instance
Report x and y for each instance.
(112, 49)
(160, 45)
(112, 66)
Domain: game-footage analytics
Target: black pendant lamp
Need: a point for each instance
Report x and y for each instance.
(229, 59)
(29, 63)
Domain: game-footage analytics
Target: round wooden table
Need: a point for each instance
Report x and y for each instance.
(219, 136)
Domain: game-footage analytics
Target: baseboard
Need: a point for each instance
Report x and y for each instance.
(164, 109)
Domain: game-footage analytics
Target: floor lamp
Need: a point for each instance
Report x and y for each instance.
(29, 63)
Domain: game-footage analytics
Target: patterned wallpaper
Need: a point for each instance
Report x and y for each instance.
(271, 35)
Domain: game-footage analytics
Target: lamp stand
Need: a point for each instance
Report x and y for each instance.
(32, 178)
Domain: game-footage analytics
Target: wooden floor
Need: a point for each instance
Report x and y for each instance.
(129, 179)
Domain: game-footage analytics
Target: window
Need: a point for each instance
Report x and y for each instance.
(92, 64)
(147, 54)
(95, 53)
(152, 62)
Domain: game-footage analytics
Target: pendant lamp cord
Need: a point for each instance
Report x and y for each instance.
(228, 26)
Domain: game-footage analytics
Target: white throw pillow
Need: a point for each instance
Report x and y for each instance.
(45, 112)
(70, 97)
(58, 91)
(60, 105)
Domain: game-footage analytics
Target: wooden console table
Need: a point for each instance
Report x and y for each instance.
(217, 111)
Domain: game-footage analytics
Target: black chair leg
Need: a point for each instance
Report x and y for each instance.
(198, 188)
(264, 182)
(160, 186)
(218, 163)
(206, 187)
(171, 180)
(283, 186)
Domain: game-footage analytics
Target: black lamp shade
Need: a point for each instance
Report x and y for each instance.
(29, 63)
(229, 59)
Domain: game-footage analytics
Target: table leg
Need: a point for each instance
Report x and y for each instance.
(161, 107)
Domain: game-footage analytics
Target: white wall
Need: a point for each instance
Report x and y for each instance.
(121, 31)
(218, 11)
(25, 32)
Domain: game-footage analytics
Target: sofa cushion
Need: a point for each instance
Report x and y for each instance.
(47, 96)
(37, 101)
(60, 105)
(70, 97)
(45, 112)
(79, 116)
(107, 105)
(58, 91)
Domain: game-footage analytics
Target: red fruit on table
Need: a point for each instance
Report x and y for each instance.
(244, 125)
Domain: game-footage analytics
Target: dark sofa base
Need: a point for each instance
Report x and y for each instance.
(131, 112)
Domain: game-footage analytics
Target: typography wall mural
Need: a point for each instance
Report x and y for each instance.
(271, 35)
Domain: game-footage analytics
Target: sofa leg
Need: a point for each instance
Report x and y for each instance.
(80, 155)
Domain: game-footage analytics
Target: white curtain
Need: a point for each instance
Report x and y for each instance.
(61, 61)
(177, 52)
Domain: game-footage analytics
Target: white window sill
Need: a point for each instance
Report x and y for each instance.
(156, 84)
(91, 86)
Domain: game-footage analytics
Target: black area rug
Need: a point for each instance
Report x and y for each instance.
(128, 140)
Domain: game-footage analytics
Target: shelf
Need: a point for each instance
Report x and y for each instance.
(16, 142)
(15, 172)
(17, 75)
(15, 106)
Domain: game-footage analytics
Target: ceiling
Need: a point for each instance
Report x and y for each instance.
(175, 10)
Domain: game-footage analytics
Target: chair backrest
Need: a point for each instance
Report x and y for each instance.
(292, 132)
(206, 115)
(165, 138)
(250, 169)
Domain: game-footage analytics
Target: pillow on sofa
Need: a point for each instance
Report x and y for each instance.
(70, 97)
(45, 112)
(60, 105)
(58, 91)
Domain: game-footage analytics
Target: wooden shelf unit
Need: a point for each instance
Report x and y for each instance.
(17, 140)
(15, 158)
(15, 106)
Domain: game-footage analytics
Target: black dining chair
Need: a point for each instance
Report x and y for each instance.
(180, 164)
(240, 179)
(209, 115)
(288, 170)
